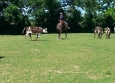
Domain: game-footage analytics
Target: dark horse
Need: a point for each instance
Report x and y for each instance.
(35, 30)
(63, 28)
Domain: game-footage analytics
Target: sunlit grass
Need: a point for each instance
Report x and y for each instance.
(80, 59)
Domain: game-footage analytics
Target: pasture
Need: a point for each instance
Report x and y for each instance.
(80, 59)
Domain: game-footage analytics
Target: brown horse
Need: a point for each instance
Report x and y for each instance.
(63, 28)
(98, 30)
(33, 29)
(107, 32)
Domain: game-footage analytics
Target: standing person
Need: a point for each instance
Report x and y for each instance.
(61, 19)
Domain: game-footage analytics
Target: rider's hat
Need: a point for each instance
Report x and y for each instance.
(61, 13)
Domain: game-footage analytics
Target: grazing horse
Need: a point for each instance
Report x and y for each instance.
(98, 30)
(107, 32)
(63, 28)
(33, 29)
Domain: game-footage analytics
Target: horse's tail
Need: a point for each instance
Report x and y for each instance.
(68, 27)
(23, 30)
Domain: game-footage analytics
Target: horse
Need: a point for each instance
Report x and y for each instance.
(63, 28)
(107, 32)
(34, 29)
(98, 30)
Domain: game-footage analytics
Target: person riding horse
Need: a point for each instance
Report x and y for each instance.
(61, 19)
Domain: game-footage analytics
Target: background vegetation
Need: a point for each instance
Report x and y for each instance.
(82, 15)
(49, 60)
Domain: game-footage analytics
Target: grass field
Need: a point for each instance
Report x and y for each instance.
(80, 59)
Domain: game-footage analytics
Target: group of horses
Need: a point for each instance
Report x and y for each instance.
(63, 28)
(100, 32)
(38, 30)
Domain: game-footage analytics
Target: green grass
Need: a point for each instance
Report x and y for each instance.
(80, 59)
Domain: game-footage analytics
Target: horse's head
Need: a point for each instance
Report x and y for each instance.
(45, 30)
(58, 26)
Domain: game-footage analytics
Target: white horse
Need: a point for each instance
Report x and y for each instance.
(98, 30)
(33, 29)
(107, 32)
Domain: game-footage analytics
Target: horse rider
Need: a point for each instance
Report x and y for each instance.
(61, 19)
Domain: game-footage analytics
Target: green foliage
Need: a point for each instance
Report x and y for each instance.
(110, 12)
(12, 13)
(82, 15)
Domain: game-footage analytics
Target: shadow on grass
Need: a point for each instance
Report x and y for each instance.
(2, 57)
(39, 40)
(63, 39)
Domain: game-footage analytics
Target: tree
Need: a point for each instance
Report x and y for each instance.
(110, 18)
(82, 15)
(43, 12)
(12, 14)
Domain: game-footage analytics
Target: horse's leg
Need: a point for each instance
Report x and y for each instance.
(36, 37)
(66, 34)
(101, 35)
(26, 35)
(59, 35)
(106, 35)
(30, 36)
(98, 35)
(109, 35)
(39, 35)
(94, 34)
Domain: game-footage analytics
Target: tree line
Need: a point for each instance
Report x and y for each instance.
(83, 15)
